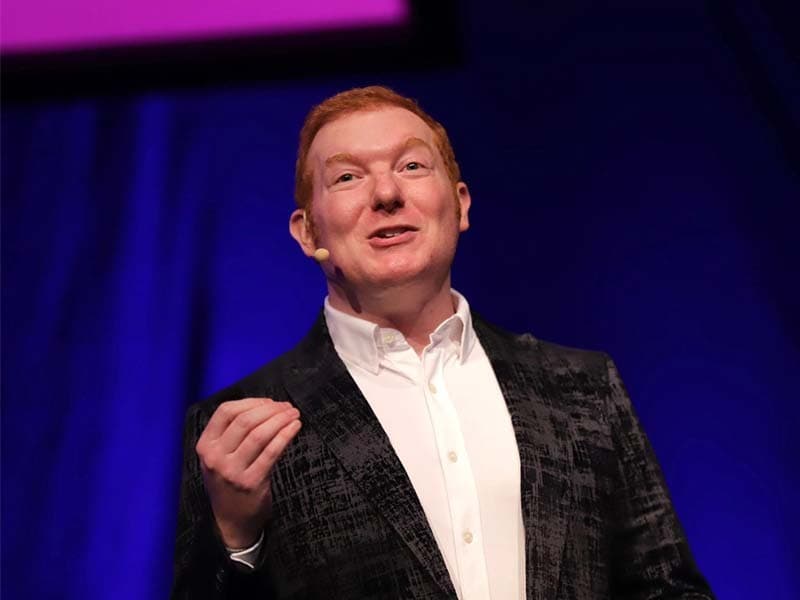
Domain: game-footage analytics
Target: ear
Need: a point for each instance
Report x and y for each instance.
(301, 231)
(464, 201)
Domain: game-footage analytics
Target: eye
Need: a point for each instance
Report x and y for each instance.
(345, 177)
(413, 166)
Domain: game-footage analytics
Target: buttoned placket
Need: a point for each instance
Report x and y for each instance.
(462, 494)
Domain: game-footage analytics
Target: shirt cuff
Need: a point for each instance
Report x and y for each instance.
(247, 556)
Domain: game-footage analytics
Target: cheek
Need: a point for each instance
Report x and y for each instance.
(447, 208)
(434, 199)
(337, 218)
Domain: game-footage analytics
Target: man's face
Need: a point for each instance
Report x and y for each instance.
(382, 202)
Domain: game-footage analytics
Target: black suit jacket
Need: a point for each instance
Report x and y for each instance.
(347, 523)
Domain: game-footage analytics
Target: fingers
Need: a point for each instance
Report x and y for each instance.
(264, 462)
(227, 412)
(232, 422)
(247, 421)
(261, 436)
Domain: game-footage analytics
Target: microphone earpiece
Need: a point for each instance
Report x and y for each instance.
(321, 254)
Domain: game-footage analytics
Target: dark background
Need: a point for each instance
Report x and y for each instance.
(635, 185)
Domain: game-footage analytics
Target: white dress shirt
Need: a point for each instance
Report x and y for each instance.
(447, 420)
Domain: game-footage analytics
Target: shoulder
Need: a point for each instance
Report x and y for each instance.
(581, 367)
(268, 381)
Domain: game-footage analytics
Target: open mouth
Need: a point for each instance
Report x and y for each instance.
(387, 233)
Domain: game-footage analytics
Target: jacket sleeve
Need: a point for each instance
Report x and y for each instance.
(202, 568)
(650, 553)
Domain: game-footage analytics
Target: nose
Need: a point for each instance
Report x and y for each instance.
(387, 195)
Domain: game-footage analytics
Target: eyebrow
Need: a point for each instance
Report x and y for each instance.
(346, 157)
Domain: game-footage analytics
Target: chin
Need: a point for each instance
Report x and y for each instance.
(395, 279)
(403, 274)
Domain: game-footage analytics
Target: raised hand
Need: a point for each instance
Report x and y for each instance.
(238, 449)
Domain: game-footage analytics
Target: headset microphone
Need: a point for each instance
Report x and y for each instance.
(321, 255)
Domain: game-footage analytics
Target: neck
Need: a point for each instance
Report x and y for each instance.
(414, 309)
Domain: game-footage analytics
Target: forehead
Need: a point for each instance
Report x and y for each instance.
(369, 131)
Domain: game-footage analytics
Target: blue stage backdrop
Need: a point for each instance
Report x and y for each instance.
(634, 187)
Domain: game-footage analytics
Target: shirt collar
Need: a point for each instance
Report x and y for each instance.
(363, 343)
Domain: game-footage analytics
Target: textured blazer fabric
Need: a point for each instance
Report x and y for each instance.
(347, 523)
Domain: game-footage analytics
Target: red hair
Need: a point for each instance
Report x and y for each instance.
(355, 100)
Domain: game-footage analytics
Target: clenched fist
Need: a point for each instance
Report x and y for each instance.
(238, 450)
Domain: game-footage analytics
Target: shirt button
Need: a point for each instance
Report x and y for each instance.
(432, 388)
(468, 537)
(452, 456)
(388, 338)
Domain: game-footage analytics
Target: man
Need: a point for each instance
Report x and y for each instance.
(438, 456)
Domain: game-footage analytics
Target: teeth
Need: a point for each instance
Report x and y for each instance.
(390, 233)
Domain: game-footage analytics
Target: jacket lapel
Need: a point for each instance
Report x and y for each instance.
(331, 403)
(543, 433)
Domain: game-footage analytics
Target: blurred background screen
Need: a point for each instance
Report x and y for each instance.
(34, 26)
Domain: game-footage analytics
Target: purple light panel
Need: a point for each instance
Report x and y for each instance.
(56, 25)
